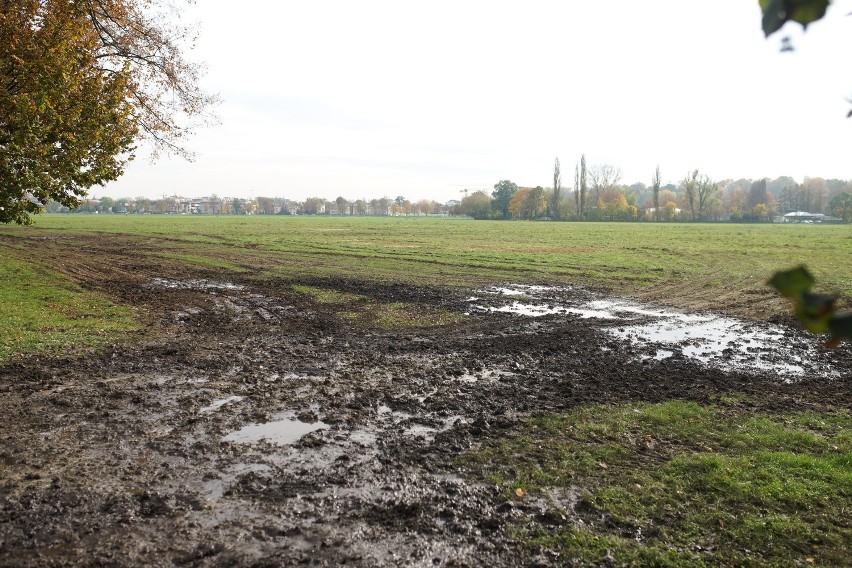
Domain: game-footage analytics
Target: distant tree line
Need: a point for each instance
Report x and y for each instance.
(599, 195)
(214, 205)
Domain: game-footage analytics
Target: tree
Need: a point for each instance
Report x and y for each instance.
(528, 203)
(815, 193)
(655, 192)
(266, 206)
(64, 125)
(699, 191)
(581, 208)
(757, 194)
(689, 184)
(80, 83)
(341, 205)
(502, 195)
(603, 177)
(557, 190)
(314, 206)
(477, 205)
(612, 205)
(707, 191)
(841, 206)
(577, 189)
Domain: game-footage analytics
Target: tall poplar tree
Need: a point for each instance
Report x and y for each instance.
(584, 189)
(557, 189)
(655, 192)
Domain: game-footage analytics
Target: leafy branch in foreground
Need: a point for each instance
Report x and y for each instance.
(817, 312)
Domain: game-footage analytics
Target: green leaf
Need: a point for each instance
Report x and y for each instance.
(774, 15)
(807, 11)
(815, 311)
(792, 283)
(778, 12)
(841, 327)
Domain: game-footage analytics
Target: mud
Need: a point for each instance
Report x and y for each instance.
(249, 426)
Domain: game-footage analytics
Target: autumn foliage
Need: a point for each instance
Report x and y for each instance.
(80, 83)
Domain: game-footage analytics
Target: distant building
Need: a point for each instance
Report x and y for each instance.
(805, 217)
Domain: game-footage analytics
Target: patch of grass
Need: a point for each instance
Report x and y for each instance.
(397, 315)
(387, 316)
(677, 483)
(42, 312)
(203, 261)
(326, 295)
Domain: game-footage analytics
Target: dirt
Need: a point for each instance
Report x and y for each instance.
(248, 425)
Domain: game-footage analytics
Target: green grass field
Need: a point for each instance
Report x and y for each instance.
(623, 256)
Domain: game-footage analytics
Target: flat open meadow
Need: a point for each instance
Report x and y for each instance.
(367, 391)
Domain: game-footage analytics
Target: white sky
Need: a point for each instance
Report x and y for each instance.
(368, 98)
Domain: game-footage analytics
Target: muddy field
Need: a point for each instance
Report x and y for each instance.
(250, 425)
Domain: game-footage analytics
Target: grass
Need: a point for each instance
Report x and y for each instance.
(42, 312)
(326, 296)
(384, 315)
(201, 261)
(712, 258)
(681, 484)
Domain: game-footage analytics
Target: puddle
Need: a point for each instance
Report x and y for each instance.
(281, 430)
(486, 375)
(217, 404)
(197, 284)
(659, 355)
(214, 489)
(724, 342)
(428, 433)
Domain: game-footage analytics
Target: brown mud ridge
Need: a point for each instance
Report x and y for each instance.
(259, 428)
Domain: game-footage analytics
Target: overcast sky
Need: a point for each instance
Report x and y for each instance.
(365, 99)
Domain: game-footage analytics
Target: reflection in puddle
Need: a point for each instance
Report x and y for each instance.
(281, 431)
(726, 342)
(217, 404)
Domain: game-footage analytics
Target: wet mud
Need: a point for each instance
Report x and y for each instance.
(252, 426)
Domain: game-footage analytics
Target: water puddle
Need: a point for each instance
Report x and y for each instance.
(282, 430)
(217, 404)
(488, 375)
(417, 430)
(715, 340)
(214, 488)
(197, 284)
